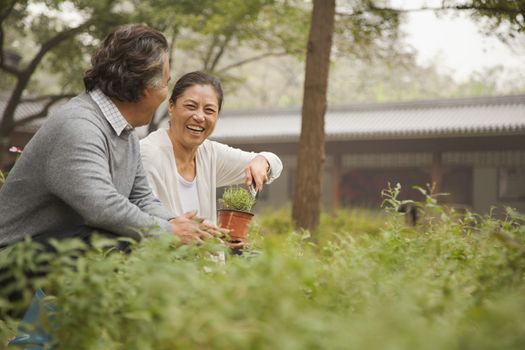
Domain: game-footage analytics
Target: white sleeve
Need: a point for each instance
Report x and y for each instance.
(151, 163)
(231, 163)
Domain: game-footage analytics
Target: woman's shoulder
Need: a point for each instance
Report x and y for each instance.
(210, 147)
(156, 139)
(207, 146)
(155, 147)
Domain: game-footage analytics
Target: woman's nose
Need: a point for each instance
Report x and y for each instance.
(199, 116)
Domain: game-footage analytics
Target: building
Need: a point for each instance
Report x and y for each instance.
(35, 110)
(473, 148)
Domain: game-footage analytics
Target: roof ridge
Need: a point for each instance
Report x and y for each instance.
(398, 105)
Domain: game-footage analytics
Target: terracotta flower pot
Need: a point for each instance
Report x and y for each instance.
(236, 221)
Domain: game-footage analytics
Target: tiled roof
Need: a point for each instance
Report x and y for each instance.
(27, 109)
(496, 115)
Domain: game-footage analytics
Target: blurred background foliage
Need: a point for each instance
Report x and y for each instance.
(256, 47)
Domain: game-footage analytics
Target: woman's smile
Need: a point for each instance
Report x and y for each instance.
(193, 116)
(195, 129)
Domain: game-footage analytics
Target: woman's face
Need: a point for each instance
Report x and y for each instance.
(194, 114)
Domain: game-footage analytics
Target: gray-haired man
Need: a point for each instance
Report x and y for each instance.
(82, 170)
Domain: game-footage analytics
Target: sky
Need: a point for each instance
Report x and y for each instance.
(455, 43)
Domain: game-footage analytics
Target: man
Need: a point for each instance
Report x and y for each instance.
(82, 170)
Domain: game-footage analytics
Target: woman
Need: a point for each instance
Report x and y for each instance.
(184, 168)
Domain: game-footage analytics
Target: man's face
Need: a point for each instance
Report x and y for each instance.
(154, 96)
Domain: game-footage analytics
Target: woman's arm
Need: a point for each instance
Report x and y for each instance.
(235, 166)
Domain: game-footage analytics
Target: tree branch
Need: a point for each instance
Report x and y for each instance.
(11, 70)
(46, 97)
(7, 12)
(222, 47)
(494, 9)
(7, 120)
(44, 111)
(54, 41)
(251, 59)
(207, 57)
(3, 16)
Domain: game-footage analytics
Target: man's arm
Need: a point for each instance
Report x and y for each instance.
(78, 173)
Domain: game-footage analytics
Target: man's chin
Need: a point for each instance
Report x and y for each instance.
(146, 122)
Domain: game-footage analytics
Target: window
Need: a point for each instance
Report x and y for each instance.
(511, 183)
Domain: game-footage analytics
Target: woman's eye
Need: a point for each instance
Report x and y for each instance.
(210, 111)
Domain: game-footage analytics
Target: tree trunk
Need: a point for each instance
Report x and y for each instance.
(307, 195)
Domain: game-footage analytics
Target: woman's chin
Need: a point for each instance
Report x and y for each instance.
(194, 140)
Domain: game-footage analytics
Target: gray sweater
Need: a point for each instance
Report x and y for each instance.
(77, 171)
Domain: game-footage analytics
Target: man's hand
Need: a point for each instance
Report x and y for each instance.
(256, 172)
(213, 230)
(191, 228)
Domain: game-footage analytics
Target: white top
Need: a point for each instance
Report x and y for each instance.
(217, 165)
(188, 194)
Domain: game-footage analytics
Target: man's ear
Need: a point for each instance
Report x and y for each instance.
(147, 91)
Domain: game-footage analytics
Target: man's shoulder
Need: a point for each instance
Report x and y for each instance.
(78, 114)
(79, 108)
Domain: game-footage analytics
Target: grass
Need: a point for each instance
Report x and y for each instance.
(455, 281)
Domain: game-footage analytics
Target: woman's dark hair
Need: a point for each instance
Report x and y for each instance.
(196, 78)
(129, 59)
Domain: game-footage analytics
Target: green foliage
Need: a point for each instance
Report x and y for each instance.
(237, 198)
(456, 281)
(502, 18)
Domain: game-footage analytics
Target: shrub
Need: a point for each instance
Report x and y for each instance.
(453, 282)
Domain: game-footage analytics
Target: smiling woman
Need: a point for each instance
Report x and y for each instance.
(184, 168)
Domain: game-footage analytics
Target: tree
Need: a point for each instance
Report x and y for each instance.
(306, 202)
(503, 18)
(227, 34)
(362, 31)
(57, 46)
(213, 31)
(368, 29)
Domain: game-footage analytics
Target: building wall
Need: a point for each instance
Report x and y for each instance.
(471, 179)
(485, 191)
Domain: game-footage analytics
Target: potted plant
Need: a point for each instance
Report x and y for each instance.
(235, 213)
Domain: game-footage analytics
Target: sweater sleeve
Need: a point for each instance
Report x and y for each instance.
(232, 161)
(78, 173)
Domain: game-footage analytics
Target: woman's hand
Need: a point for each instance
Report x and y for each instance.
(257, 172)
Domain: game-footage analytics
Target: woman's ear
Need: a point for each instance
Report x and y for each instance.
(171, 107)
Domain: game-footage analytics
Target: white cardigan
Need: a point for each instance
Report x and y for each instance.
(217, 165)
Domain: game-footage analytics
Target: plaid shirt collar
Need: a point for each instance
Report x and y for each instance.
(110, 111)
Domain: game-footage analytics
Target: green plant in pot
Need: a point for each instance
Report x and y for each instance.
(235, 212)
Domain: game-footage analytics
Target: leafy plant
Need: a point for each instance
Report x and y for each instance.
(237, 198)
(458, 283)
